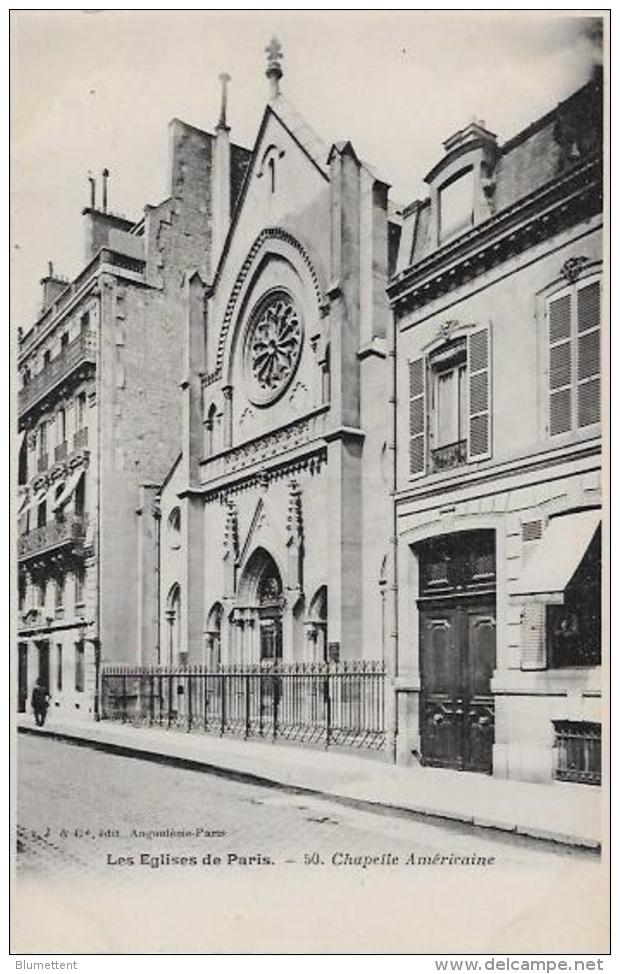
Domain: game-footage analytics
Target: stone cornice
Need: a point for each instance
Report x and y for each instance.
(567, 199)
(309, 457)
(488, 472)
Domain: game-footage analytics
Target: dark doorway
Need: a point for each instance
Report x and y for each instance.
(457, 650)
(270, 612)
(22, 678)
(44, 664)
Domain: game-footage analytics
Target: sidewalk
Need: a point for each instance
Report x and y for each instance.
(561, 812)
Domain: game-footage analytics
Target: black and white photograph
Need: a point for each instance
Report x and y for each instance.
(310, 529)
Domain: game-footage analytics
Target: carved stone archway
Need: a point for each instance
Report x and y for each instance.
(259, 611)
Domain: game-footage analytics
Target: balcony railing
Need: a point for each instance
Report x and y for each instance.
(81, 350)
(452, 455)
(80, 439)
(65, 531)
(60, 451)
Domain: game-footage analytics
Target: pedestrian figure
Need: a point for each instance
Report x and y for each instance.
(40, 702)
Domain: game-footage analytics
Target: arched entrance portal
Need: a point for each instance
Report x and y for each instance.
(259, 614)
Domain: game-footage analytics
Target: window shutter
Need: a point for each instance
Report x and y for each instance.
(479, 369)
(560, 365)
(417, 417)
(533, 650)
(589, 354)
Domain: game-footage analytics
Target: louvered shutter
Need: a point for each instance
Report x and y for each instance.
(533, 650)
(417, 417)
(560, 365)
(589, 354)
(479, 387)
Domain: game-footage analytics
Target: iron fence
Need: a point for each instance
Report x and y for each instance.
(325, 704)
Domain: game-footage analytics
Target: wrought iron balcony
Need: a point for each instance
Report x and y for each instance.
(80, 351)
(80, 439)
(63, 532)
(452, 455)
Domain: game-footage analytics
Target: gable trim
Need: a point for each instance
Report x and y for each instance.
(269, 233)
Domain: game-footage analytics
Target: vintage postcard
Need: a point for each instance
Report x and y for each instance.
(310, 320)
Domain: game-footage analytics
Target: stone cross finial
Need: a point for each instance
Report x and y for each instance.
(224, 79)
(274, 68)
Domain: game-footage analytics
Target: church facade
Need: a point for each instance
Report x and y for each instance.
(274, 521)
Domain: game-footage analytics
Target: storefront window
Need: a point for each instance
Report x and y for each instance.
(574, 628)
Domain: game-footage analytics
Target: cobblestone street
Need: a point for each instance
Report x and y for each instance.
(81, 809)
(120, 854)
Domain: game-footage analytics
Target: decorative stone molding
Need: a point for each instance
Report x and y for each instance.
(573, 268)
(231, 533)
(271, 445)
(294, 518)
(270, 233)
(310, 464)
(572, 197)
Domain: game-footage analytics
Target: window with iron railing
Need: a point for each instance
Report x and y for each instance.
(578, 751)
(450, 404)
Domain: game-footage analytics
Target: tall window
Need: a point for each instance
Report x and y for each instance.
(43, 439)
(210, 431)
(79, 586)
(174, 527)
(574, 324)
(80, 411)
(59, 666)
(41, 593)
(59, 593)
(79, 666)
(456, 205)
(450, 404)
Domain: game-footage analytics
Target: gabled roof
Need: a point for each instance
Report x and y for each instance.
(305, 137)
(302, 132)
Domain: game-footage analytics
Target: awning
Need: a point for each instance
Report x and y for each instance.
(558, 556)
(69, 489)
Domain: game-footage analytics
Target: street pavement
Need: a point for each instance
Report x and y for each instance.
(100, 868)
(84, 810)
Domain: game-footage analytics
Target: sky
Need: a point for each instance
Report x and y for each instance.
(95, 89)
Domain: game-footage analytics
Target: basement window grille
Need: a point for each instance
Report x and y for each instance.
(578, 745)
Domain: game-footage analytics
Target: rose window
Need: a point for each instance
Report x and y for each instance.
(273, 348)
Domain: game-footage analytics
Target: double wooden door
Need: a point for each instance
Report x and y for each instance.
(457, 659)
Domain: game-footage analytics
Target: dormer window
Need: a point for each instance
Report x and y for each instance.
(462, 183)
(456, 204)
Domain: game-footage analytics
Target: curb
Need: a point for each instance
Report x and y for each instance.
(364, 804)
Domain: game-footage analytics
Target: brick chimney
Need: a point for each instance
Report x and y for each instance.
(52, 285)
